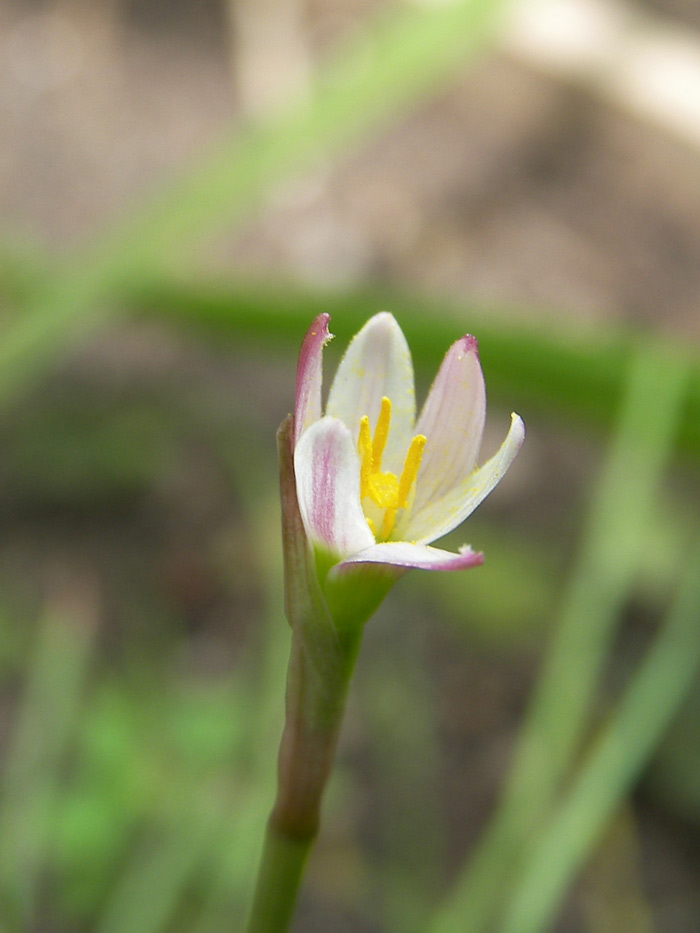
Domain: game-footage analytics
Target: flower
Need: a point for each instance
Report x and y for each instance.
(375, 487)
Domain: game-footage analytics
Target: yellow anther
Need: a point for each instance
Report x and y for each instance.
(381, 433)
(385, 489)
(410, 469)
(364, 445)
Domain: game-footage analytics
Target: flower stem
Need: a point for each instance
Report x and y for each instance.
(320, 665)
(279, 876)
(314, 714)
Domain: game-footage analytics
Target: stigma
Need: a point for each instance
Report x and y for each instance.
(387, 490)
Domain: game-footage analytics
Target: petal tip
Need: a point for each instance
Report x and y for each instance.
(383, 321)
(307, 408)
(469, 344)
(319, 327)
(476, 558)
(517, 426)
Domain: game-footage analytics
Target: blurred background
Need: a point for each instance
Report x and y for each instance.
(184, 184)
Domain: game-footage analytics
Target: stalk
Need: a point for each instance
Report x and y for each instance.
(320, 667)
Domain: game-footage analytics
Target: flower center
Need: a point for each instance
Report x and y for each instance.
(386, 490)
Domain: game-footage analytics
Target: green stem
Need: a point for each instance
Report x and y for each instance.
(315, 706)
(279, 877)
(319, 672)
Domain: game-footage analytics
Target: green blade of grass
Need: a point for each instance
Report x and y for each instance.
(214, 833)
(47, 716)
(403, 54)
(617, 533)
(145, 898)
(614, 763)
(562, 370)
(395, 692)
(568, 371)
(237, 851)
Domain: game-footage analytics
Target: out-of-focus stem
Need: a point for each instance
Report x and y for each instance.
(614, 762)
(561, 708)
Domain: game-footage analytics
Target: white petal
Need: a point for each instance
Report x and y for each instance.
(441, 515)
(310, 374)
(452, 419)
(408, 556)
(328, 487)
(377, 363)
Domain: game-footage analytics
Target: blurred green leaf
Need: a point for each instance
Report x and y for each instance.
(614, 539)
(564, 370)
(47, 721)
(507, 604)
(614, 763)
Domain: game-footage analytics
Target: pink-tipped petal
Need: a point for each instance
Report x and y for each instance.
(328, 488)
(377, 363)
(452, 419)
(310, 375)
(406, 556)
(441, 515)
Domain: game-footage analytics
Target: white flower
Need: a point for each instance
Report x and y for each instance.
(375, 486)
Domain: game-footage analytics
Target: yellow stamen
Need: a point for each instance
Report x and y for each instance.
(381, 433)
(365, 450)
(385, 489)
(388, 523)
(410, 469)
